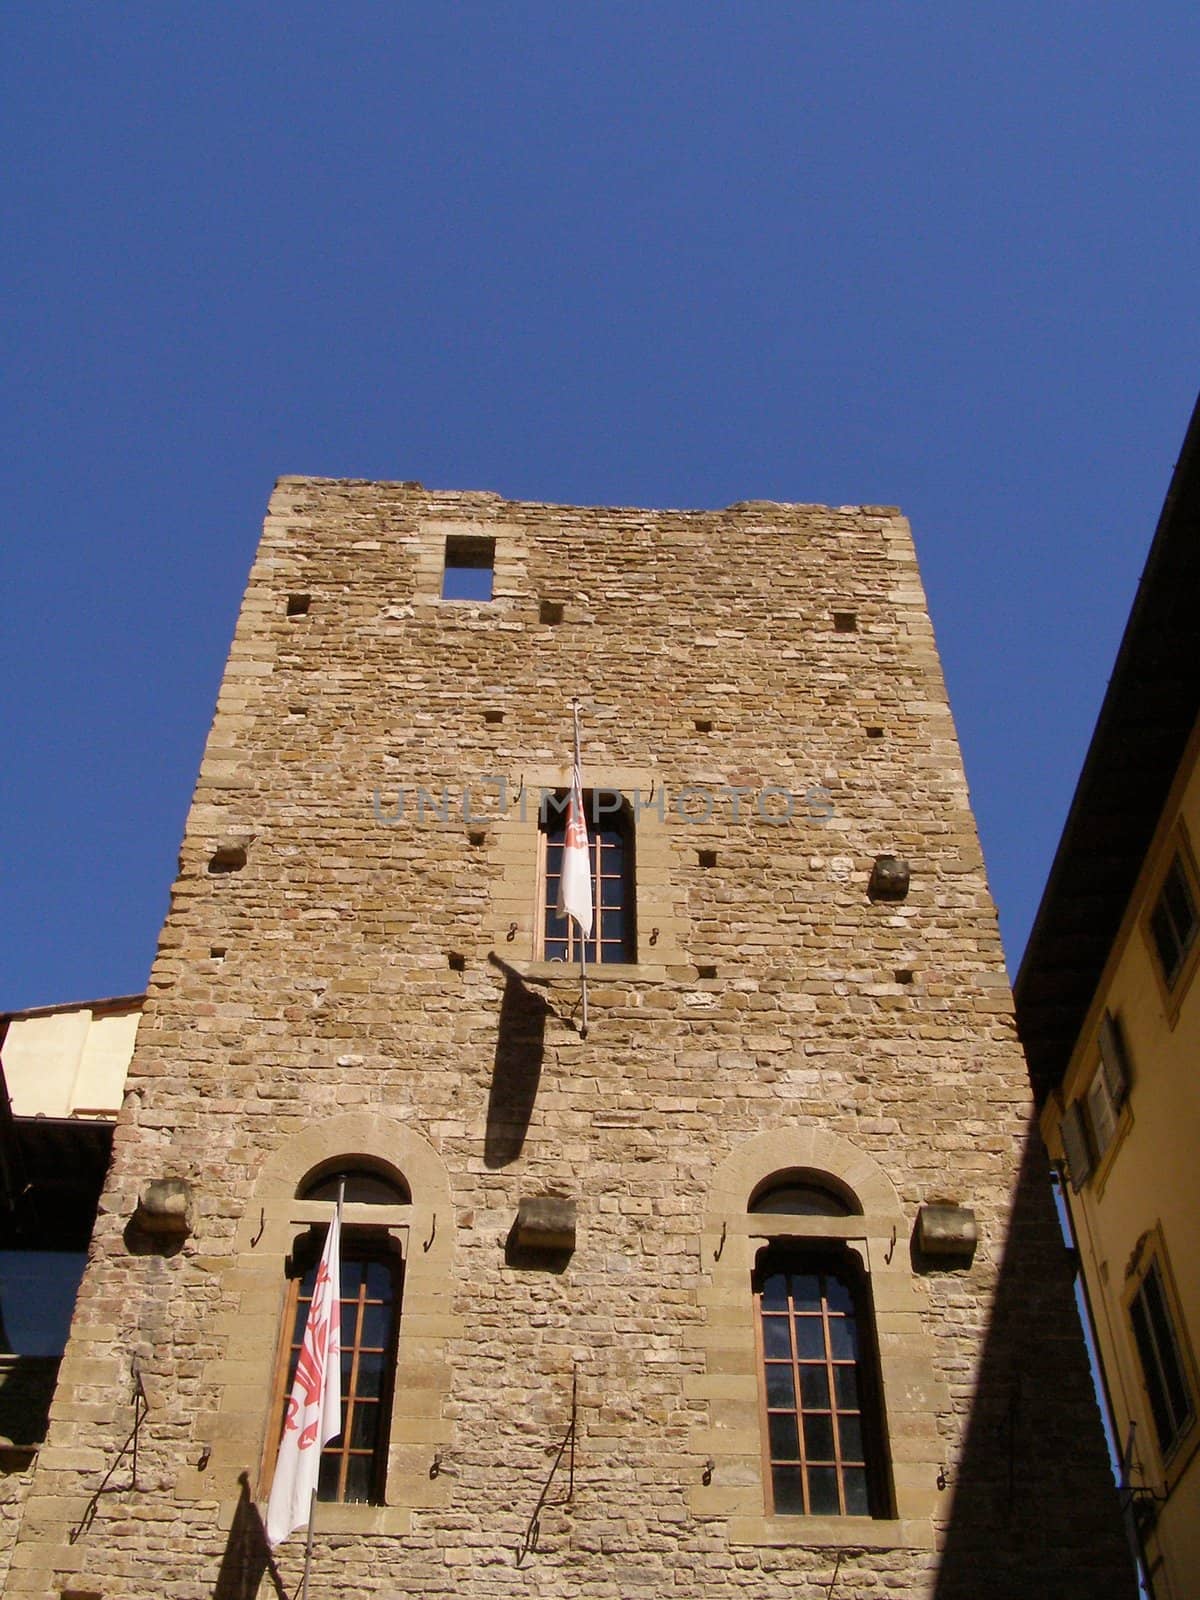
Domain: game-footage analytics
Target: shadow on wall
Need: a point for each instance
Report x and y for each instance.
(247, 1554)
(1022, 1523)
(516, 1072)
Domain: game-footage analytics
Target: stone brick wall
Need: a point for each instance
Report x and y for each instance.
(306, 1004)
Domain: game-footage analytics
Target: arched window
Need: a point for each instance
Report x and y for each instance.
(803, 1194)
(614, 903)
(363, 1186)
(354, 1464)
(823, 1437)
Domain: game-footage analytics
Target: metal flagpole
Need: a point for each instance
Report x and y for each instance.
(302, 1592)
(583, 1030)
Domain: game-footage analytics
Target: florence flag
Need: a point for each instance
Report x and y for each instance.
(314, 1408)
(575, 883)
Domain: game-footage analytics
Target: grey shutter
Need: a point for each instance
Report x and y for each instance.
(1075, 1143)
(1113, 1061)
(1102, 1113)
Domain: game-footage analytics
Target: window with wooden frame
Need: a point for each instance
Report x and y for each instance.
(609, 818)
(1091, 1122)
(823, 1441)
(1173, 921)
(1154, 1317)
(354, 1464)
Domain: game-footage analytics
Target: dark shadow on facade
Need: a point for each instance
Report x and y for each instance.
(517, 1070)
(27, 1386)
(247, 1555)
(1034, 1507)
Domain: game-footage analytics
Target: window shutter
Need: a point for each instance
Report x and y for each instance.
(1074, 1138)
(1114, 1063)
(1102, 1114)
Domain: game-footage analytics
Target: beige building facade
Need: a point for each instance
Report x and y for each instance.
(749, 1285)
(1110, 1014)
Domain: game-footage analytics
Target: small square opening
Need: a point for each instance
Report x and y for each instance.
(493, 716)
(298, 604)
(845, 621)
(458, 962)
(550, 611)
(469, 569)
(706, 858)
(704, 725)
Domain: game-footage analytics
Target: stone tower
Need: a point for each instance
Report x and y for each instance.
(754, 1287)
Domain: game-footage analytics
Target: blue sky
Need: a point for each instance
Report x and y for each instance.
(941, 256)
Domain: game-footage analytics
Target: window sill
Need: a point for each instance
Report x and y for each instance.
(335, 1518)
(606, 972)
(834, 1533)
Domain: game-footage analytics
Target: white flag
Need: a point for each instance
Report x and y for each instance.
(575, 882)
(314, 1408)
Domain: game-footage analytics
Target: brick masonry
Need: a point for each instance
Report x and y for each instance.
(305, 1005)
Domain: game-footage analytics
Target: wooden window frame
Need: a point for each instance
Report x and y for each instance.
(358, 1246)
(796, 1257)
(1174, 981)
(1150, 1261)
(601, 951)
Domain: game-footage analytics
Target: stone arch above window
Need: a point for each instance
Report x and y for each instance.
(365, 1141)
(773, 1156)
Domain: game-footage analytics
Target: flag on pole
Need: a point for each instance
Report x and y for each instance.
(314, 1408)
(575, 881)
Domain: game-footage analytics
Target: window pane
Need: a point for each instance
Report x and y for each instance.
(611, 892)
(1179, 903)
(845, 1387)
(822, 1491)
(810, 1337)
(1154, 1384)
(370, 1372)
(781, 1388)
(814, 1387)
(362, 1188)
(785, 1442)
(828, 1429)
(799, 1200)
(818, 1437)
(359, 1473)
(858, 1499)
(850, 1435)
(789, 1495)
(806, 1291)
(1164, 942)
(843, 1339)
(376, 1319)
(838, 1296)
(1164, 1338)
(774, 1292)
(327, 1479)
(364, 1426)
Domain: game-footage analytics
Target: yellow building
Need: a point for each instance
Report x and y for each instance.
(1108, 1005)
